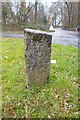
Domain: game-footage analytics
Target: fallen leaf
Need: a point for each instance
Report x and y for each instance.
(55, 91)
(56, 97)
(13, 61)
(61, 107)
(49, 116)
(5, 57)
(7, 51)
(27, 116)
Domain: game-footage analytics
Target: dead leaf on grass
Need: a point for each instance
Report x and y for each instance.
(56, 97)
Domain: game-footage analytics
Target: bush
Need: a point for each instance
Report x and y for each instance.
(22, 27)
(38, 27)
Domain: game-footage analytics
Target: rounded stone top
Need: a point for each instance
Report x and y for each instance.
(37, 31)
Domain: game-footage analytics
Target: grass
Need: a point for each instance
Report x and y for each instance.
(56, 99)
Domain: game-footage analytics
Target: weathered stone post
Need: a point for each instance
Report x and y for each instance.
(37, 55)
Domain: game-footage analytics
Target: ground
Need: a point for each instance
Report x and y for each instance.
(57, 98)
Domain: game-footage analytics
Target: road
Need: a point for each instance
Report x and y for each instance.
(71, 38)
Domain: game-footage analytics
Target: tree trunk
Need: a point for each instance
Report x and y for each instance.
(35, 10)
(79, 13)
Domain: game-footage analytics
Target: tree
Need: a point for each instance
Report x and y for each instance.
(36, 3)
(70, 16)
(79, 13)
(55, 11)
(7, 13)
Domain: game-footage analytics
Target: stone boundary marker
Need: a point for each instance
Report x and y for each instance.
(37, 55)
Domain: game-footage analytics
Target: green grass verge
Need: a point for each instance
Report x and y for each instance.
(57, 98)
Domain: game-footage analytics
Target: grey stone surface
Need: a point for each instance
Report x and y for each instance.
(37, 55)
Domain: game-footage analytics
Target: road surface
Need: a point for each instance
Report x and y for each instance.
(71, 38)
